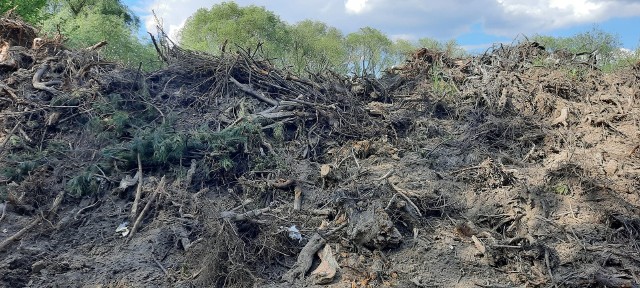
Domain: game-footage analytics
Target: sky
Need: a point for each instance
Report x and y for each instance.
(475, 24)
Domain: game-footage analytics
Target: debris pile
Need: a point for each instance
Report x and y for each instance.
(517, 167)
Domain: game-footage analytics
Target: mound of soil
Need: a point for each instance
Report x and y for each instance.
(515, 168)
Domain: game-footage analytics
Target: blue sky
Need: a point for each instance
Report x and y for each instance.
(475, 24)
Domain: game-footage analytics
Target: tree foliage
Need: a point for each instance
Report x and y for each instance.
(368, 51)
(29, 10)
(315, 47)
(597, 42)
(229, 24)
(87, 22)
(451, 47)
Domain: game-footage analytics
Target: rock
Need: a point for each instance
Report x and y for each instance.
(38, 266)
(611, 167)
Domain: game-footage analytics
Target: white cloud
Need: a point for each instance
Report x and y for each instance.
(355, 6)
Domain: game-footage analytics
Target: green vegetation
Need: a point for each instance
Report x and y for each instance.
(368, 49)
(597, 46)
(315, 47)
(228, 24)
(29, 10)
(85, 23)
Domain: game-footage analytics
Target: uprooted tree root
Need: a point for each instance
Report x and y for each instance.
(517, 167)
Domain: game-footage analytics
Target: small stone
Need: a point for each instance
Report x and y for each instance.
(38, 266)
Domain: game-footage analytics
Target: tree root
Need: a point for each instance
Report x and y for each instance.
(38, 84)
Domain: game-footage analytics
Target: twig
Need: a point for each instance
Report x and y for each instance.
(385, 176)
(85, 208)
(355, 158)
(297, 201)
(8, 136)
(136, 200)
(160, 264)
(158, 190)
(4, 210)
(437, 146)
(546, 261)
(19, 234)
(96, 46)
(402, 193)
(393, 199)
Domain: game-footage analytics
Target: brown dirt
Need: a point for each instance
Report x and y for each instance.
(444, 173)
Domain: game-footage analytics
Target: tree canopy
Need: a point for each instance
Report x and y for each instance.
(227, 23)
(87, 22)
(29, 10)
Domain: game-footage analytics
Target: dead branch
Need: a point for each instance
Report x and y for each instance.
(297, 202)
(283, 184)
(96, 46)
(8, 136)
(136, 200)
(254, 93)
(305, 258)
(34, 223)
(159, 189)
(404, 193)
(233, 216)
(19, 234)
(4, 210)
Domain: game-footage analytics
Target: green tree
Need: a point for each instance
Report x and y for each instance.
(85, 23)
(315, 47)
(368, 51)
(451, 47)
(209, 29)
(597, 42)
(29, 10)
(400, 51)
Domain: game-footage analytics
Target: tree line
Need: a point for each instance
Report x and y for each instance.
(304, 47)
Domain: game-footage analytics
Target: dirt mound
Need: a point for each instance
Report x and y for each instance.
(517, 167)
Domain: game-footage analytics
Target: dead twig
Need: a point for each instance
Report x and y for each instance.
(254, 93)
(160, 264)
(403, 193)
(4, 210)
(297, 201)
(34, 223)
(233, 216)
(136, 200)
(159, 189)
(8, 136)
(96, 46)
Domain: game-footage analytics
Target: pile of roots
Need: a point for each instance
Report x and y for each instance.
(517, 167)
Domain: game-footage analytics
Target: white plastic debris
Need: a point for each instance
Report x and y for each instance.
(294, 233)
(123, 229)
